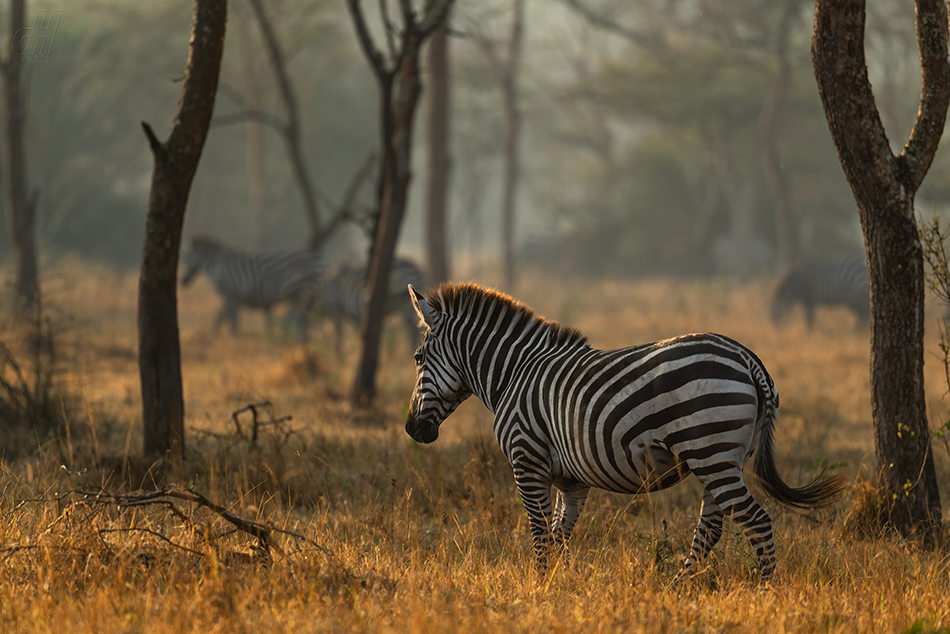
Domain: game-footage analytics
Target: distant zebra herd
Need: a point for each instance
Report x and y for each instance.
(299, 278)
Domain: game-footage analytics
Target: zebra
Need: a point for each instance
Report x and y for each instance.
(342, 293)
(632, 420)
(827, 281)
(256, 280)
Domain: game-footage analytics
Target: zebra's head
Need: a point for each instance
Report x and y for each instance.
(196, 256)
(439, 386)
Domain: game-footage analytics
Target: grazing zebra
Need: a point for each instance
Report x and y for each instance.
(632, 420)
(824, 282)
(343, 291)
(255, 280)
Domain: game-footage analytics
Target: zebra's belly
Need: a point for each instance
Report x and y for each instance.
(658, 456)
(647, 468)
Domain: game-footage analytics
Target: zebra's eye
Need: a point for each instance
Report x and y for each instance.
(418, 356)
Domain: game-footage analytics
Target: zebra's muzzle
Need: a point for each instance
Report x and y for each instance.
(421, 431)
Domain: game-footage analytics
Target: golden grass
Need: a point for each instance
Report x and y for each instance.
(430, 538)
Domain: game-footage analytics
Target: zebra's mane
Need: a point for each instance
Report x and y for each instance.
(457, 299)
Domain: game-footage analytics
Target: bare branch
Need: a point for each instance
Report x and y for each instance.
(148, 531)
(366, 40)
(645, 40)
(434, 16)
(250, 115)
(918, 154)
(389, 29)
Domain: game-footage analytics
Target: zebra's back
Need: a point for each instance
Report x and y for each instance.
(627, 420)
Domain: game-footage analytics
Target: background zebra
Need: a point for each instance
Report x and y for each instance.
(256, 280)
(632, 420)
(838, 281)
(343, 291)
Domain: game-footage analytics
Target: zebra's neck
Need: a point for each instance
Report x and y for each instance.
(492, 357)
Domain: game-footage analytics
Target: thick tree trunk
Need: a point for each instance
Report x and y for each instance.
(20, 208)
(438, 166)
(884, 186)
(176, 161)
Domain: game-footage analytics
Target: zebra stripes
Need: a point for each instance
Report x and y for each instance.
(838, 281)
(571, 417)
(255, 280)
(342, 294)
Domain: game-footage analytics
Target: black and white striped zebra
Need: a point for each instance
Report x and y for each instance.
(256, 280)
(831, 281)
(638, 419)
(343, 292)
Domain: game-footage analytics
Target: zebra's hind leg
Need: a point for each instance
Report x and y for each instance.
(729, 492)
(570, 502)
(707, 534)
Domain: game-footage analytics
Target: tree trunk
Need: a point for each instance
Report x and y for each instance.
(400, 87)
(20, 208)
(176, 161)
(439, 164)
(512, 167)
(884, 186)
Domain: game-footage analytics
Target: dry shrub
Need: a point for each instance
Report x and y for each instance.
(874, 515)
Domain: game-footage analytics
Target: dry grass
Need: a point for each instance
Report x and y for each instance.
(428, 538)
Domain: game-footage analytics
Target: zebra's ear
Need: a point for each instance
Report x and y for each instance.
(427, 314)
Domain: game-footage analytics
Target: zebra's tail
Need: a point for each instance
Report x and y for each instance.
(820, 492)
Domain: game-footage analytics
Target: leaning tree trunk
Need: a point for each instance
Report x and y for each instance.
(884, 186)
(20, 208)
(176, 161)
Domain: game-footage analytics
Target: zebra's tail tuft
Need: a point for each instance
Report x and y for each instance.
(818, 494)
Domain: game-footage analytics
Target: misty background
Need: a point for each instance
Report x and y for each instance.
(659, 137)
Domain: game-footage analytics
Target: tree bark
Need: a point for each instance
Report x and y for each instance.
(176, 161)
(400, 87)
(438, 168)
(20, 208)
(884, 186)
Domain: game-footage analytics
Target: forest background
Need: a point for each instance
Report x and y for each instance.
(646, 148)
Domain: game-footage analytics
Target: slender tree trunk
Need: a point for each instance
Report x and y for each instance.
(438, 167)
(884, 186)
(512, 122)
(176, 161)
(253, 138)
(400, 87)
(20, 208)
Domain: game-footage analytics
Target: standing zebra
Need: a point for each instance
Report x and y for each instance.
(632, 420)
(255, 280)
(343, 291)
(829, 281)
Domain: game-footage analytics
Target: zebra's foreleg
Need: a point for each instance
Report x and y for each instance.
(707, 534)
(227, 313)
(535, 492)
